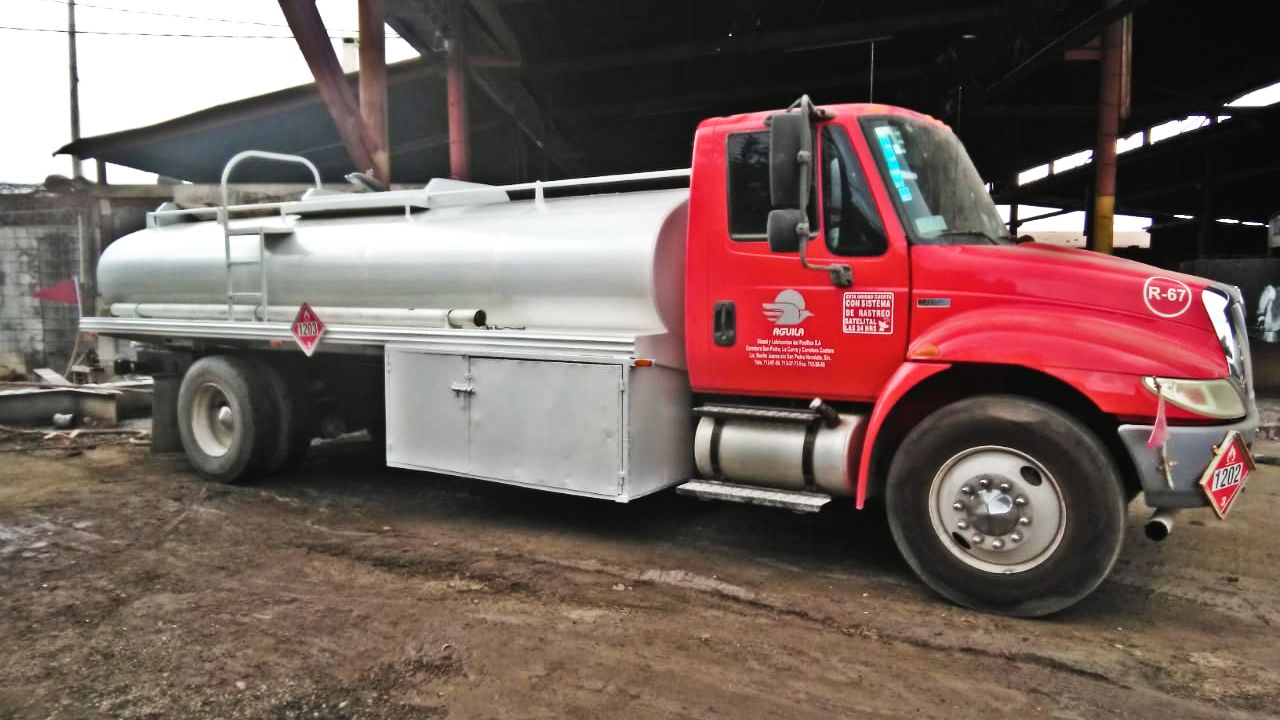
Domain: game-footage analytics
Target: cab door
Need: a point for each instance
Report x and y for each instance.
(760, 323)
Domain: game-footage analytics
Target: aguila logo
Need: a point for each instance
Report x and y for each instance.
(787, 309)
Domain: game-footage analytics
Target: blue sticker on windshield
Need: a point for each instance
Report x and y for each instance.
(885, 136)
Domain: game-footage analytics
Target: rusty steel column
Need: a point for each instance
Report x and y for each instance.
(373, 85)
(313, 40)
(1110, 98)
(456, 82)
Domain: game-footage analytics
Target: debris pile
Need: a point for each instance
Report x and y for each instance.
(67, 443)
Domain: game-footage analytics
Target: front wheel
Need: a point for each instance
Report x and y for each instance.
(1006, 504)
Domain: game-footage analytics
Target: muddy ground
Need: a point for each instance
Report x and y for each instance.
(131, 589)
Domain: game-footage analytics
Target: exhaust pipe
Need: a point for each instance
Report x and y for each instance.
(1161, 524)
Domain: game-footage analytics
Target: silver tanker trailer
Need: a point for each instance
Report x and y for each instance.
(468, 311)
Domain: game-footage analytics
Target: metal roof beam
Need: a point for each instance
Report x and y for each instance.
(692, 102)
(496, 25)
(813, 38)
(313, 40)
(416, 21)
(1055, 48)
(1139, 113)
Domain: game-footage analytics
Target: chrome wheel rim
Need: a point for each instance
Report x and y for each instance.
(997, 509)
(213, 420)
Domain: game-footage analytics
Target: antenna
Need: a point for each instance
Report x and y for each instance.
(871, 75)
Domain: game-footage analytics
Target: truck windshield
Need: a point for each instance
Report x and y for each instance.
(939, 195)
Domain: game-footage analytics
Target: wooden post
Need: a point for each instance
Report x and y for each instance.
(77, 171)
(373, 85)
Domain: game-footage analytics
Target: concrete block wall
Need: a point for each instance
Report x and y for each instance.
(37, 249)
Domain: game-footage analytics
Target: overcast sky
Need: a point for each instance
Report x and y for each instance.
(131, 80)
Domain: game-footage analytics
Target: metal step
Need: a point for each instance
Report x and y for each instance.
(756, 413)
(801, 502)
(245, 295)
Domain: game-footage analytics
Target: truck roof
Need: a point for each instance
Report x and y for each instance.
(854, 109)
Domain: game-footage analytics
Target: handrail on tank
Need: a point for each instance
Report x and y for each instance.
(399, 198)
(263, 155)
(539, 185)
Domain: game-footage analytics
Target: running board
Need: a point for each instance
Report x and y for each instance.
(800, 502)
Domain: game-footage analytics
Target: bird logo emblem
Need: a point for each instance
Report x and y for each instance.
(787, 309)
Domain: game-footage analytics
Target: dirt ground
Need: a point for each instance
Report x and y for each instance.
(129, 588)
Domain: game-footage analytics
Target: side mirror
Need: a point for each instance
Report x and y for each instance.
(784, 229)
(790, 135)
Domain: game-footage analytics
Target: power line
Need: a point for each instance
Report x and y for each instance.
(171, 15)
(194, 17)
(180, 35)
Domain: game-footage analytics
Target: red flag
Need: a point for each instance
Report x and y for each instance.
(1160, 430)
(66, 292)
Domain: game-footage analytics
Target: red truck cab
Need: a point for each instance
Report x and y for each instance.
(995, 376)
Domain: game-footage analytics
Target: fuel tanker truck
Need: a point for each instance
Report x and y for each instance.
(825, 305)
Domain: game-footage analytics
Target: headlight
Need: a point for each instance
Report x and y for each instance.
(1211, 398)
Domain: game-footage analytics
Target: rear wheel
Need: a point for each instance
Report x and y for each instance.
(227, 418)
(296, 413)
(1006, 504)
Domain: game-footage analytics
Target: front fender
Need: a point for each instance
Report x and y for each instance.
(907, 376)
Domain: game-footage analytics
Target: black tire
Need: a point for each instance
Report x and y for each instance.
(247, 442)
(296, 416)
(998, 433)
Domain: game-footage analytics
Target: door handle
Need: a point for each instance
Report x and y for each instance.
(463, 388)
(725, 331)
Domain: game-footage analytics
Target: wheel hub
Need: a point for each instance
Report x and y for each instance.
(991, 512)
(213, 420)
(997, 509)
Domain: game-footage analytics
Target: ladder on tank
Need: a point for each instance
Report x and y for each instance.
(264, 232)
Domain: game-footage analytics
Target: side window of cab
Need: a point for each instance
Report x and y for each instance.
(850, 223)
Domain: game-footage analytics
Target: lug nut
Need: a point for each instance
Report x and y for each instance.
(966, 489)
(957, 506)
(1019, 501)
(962, 524)
(1016, 537)
(996, 544)
(1005, 487)
(1024, 521)
(976, 539)
(985, 483)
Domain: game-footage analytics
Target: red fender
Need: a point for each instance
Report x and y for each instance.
(906, 377)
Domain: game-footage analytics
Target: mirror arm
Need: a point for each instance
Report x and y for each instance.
(841, 275)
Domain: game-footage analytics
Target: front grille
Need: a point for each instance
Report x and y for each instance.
(1242, 371)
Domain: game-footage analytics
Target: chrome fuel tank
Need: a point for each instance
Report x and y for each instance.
(599, 263)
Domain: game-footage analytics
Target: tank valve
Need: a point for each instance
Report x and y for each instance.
(829, 416)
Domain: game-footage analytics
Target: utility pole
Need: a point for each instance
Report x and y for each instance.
(76, 171)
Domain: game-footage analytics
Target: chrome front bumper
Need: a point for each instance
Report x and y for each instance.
(1189, 450)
